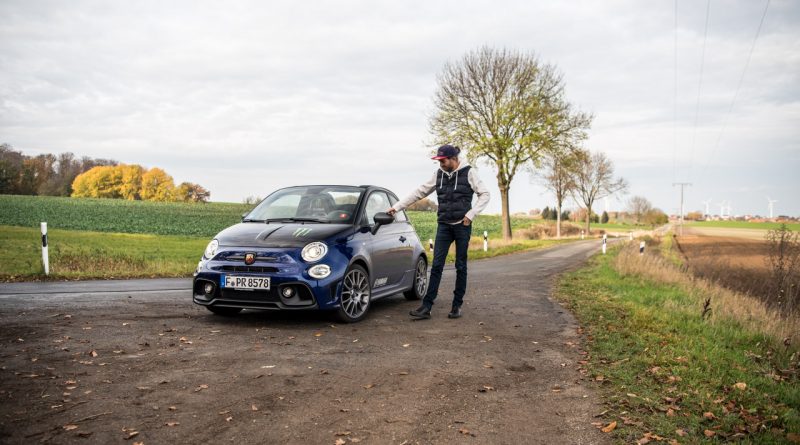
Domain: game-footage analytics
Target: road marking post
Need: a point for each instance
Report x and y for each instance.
(630, 236)
(485, 240)
(581, 234)
(641, 248)
(604, 244)
(45, 258)
(430, 244)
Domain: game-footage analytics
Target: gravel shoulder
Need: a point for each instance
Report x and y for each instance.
(88, 366)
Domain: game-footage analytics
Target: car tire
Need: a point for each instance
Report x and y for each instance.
(224, 311)
(354, 300)
(420, 285)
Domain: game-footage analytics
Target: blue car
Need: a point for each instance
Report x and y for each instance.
(316, 247)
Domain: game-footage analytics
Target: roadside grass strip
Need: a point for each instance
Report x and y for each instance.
(669, 374)
(76, 255)
(743, 225)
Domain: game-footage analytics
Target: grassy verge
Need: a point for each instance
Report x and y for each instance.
(80, 255)
(743, 225)
(667, 373)
(85, 255)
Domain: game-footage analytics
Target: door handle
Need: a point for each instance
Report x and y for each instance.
(402, 239)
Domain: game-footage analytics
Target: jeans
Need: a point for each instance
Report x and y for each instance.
(445, 235)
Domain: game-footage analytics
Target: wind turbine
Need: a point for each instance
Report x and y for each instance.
(722, 209)
(771, 202)
(706, 203)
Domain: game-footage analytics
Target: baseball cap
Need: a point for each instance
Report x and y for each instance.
(446, 151)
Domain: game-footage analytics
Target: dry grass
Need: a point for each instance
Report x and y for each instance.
(748, 311)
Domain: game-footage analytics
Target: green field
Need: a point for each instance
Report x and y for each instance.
(743, 225)
(663, 370)
(170, 218)
(120, 216)
(107, 238)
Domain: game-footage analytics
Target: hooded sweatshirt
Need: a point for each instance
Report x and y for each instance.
(454, 192)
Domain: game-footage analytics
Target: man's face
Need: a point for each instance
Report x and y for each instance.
(448, 164)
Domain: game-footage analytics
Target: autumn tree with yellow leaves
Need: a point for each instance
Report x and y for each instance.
(134, 182)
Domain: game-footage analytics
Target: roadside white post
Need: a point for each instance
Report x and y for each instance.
(581, 234)
(485, 240)
(430, 244)
(604, 244)
(45, 258)
(630, 236)
(641, 248)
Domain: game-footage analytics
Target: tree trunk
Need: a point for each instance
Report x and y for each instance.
(558, 221)
(506, 215)
(588, 219)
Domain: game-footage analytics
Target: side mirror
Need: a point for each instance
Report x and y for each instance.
(244, 214)
(381, 219)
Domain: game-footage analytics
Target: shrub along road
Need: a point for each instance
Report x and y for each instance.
(106, 365)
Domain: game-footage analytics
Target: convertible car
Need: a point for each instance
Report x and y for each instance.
(317, 247)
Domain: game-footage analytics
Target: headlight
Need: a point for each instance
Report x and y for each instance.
(211, 249)
(319, 271)
(314, 251)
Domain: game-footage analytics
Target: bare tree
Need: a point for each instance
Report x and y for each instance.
(638, 206)
(506, 108)
(594, 179)
(558, 176)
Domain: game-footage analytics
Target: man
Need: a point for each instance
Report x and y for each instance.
(455, 184)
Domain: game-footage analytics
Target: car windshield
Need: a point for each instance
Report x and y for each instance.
(321, 204)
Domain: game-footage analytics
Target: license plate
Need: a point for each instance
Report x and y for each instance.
(252, 283)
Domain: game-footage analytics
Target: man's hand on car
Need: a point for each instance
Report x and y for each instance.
(391, 211)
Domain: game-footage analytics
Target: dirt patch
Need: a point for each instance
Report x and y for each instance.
(151, 367)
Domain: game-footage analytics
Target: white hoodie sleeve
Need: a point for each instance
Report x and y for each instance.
(421, 192)
(480, 190)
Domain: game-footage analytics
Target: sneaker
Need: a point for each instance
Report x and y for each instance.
(421, 312)
(455, 312)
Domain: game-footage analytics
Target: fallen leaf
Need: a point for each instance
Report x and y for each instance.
(610, 427)
(340, 441)
(253, 407)
(709, 415)
(741, 386)
(228, 419)
(172, 408)
(131, 435)
(200, 388)
(368, 386)
(709, 433)
(342, 433)
(70, 427)
(793, 437)
(172, 423)
(268, 366)
(318, 334)
(680, 432)
(93, 353)
(643, 441)
(406, 345)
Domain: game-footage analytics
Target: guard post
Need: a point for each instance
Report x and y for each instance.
(45, 258)
(641, 247)
(604, 244)
(485, 240)
(430, 244)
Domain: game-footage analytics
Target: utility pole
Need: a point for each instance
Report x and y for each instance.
(682, 184)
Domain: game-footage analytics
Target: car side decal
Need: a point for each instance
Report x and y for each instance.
(301, 232)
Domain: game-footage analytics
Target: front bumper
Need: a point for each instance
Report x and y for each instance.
(283, 269)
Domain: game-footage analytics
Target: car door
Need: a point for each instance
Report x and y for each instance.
(388, 246)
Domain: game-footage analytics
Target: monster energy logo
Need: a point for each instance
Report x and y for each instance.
(301, 232)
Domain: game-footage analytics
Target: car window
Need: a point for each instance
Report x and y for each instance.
(336, 204)
(376, 203)
(401, 215)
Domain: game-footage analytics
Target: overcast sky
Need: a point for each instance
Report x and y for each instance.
(247, 97)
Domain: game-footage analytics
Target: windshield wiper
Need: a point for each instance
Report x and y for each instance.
(316, 220)
(252, 220)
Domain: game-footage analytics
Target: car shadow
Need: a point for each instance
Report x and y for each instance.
(311, 319)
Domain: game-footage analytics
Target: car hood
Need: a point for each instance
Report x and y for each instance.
(278, 235)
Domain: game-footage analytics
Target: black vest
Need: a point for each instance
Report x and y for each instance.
(454, 195)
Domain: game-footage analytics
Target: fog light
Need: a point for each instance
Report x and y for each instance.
(288, 292)
(208, 288)
(319, 271)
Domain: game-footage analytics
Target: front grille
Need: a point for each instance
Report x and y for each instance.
(255, 269)
(240, 257)
(250, 296)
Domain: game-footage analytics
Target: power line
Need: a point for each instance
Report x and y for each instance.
(738, 87)
(699, 89)
(675, 103)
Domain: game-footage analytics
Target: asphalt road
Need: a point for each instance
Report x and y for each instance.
(136, 361)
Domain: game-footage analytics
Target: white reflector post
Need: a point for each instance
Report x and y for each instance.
(641, 248)
(581, 234)
(430, 244)
(604, 244)
(485, 240)
(45, 259)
